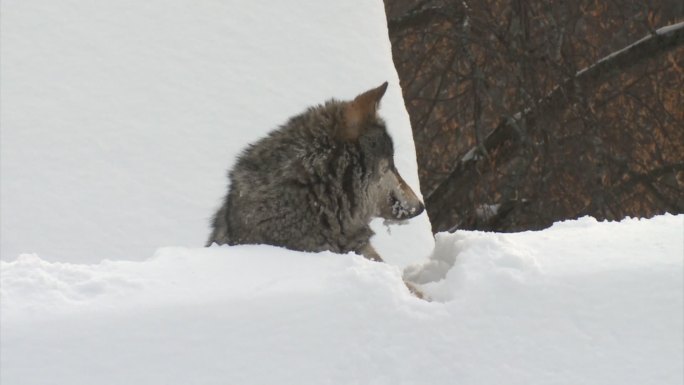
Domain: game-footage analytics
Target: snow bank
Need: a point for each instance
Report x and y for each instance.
(120, 118)
(579, 303)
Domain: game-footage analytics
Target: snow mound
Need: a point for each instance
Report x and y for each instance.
(181, 276)
(580, 303)
(554, 256)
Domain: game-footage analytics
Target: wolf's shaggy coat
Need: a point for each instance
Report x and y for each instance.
(315, 183)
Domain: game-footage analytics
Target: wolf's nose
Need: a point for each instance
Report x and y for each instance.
(421, 208)
(418, 210)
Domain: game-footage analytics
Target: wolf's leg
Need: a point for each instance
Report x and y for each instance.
(416, 291)
(369, 252)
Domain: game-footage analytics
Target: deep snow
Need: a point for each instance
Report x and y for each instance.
(580, 303)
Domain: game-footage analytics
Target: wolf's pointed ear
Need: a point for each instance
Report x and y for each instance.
(360, 110)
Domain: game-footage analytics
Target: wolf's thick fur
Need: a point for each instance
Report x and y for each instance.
(315, 183)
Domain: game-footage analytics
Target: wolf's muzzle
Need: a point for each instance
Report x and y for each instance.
(406, 208)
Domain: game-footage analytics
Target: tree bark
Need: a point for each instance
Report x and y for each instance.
(445, 207)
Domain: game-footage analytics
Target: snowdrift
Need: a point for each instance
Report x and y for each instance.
(580, 303)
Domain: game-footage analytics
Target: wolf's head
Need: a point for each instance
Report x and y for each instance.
(387, 191)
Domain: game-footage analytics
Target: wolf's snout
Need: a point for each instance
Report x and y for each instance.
(404, 202)
(418, 210)
(410, 210)
(406, 208)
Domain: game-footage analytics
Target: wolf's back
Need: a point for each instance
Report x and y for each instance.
(274, 182)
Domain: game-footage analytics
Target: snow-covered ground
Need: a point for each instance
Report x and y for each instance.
(118, 122)
(579, 303)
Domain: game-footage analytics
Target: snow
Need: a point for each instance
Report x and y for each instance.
(470, 155)
(120, 118)
(669, 28)
(580, 303)
(119, 121)
(661, 31)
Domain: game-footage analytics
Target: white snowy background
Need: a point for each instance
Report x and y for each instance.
(118, 123)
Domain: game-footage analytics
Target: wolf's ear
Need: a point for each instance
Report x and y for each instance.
(360, 111)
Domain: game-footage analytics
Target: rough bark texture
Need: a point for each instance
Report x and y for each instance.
(525, 113)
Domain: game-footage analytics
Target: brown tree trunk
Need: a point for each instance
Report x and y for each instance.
(529, 112)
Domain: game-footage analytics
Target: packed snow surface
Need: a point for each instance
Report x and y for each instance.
(580, 303)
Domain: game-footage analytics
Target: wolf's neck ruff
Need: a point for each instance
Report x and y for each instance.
(316, 182)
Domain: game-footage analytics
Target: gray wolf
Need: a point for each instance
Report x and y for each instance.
(316, 182)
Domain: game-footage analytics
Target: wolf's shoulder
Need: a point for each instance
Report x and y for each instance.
(305, 138)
